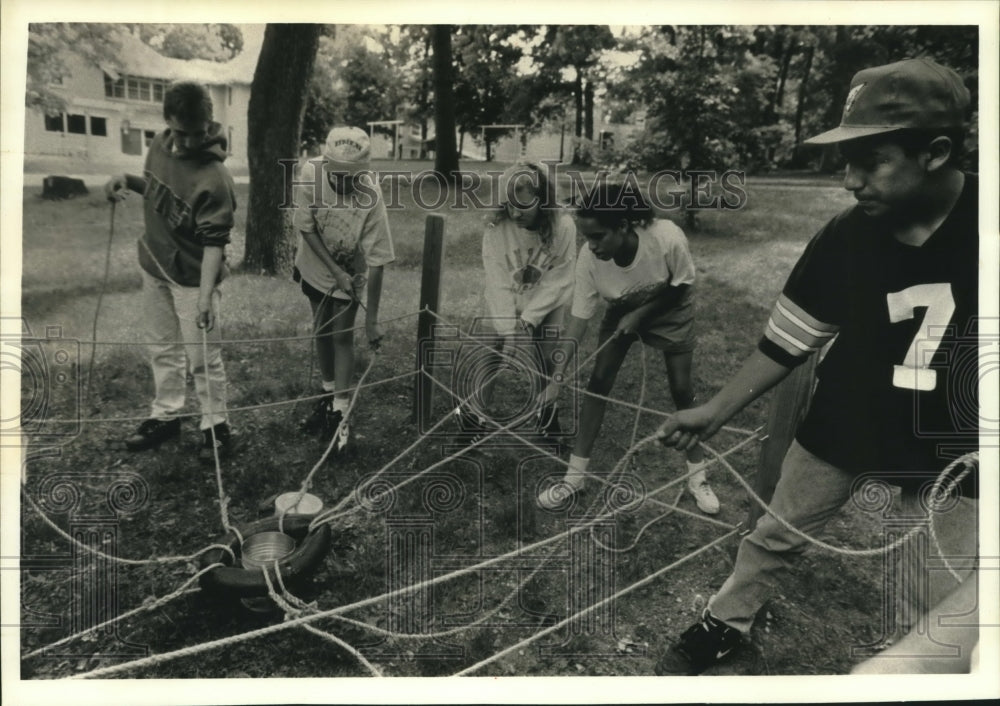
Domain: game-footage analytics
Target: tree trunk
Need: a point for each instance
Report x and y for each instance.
(800, 108)
(445, 153)
(779, 90)
(588, 110)
(424, 96)
(278, 97)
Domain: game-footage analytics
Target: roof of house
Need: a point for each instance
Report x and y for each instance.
(137, 58)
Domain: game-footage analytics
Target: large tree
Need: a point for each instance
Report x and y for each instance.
(577, 47)
(274, 124)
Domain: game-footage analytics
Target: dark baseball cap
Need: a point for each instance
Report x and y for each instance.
(915, 93)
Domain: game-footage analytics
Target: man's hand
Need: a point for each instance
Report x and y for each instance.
(206, 317)
(116, 188)
(684, 429)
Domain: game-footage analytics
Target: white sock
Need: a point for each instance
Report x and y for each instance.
(576, 473)
(340, 404)
(329, 386)
(698, 471)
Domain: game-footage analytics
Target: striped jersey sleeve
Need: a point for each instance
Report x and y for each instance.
(810, 307)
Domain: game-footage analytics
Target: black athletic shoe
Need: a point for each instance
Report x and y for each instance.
(706, 643)
(223, 440)
(337, 429)
(151, 433)
(317, 421)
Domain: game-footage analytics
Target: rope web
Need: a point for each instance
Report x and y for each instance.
(620, 495)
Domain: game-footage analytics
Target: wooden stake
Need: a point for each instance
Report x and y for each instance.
(430, 299)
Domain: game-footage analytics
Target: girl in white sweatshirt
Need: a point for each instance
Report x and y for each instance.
(529, 254)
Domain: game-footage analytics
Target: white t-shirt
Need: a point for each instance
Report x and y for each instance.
(662, 257)
(356, 238)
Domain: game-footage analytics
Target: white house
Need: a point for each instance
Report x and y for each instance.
(113, 112)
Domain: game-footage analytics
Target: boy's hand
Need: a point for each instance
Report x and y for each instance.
(628, 324)
(206, 317)
(345, 283)
(116, 188)
(685, 428)
(374, 333)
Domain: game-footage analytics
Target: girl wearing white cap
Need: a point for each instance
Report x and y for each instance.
(344, 242)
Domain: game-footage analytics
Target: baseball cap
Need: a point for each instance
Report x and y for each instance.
(915, 93)
(347, 149)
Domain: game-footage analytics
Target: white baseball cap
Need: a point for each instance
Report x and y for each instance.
(347, 149)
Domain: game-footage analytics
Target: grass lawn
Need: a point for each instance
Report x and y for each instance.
(830, 603)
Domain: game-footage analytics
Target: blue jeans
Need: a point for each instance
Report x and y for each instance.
(810, 492)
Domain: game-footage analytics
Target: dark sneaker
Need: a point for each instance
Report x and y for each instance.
(706, 643)
(316, 422)
(153, 432)
(223, 440)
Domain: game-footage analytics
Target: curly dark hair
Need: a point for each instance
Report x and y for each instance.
(187, 101)
(611, 203)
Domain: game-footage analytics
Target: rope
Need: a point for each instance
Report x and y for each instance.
(119, 560)
(100, 298)
(230, 410)
(307, 483)
(223, 498)
(875, 551)
(234, 341)
(180, 591)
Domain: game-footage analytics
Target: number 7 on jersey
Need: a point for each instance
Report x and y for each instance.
(914, 373)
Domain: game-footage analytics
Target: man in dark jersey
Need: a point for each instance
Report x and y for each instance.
(893, 283)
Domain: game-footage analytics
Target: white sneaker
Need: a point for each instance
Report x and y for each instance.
(559, 494)
(703, 495)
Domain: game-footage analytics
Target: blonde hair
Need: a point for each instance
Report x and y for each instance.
(545, 191)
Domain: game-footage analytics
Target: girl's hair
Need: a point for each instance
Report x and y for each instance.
(610, 204)
(544, 190)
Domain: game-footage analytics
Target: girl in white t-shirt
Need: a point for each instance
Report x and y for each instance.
(642, 268)
(529, 250)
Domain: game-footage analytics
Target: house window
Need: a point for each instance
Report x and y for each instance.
(54, 123)
(113, 88)
(158, 91)
(76, 124)
(147, 137)
(98, 126)
(132, 142)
